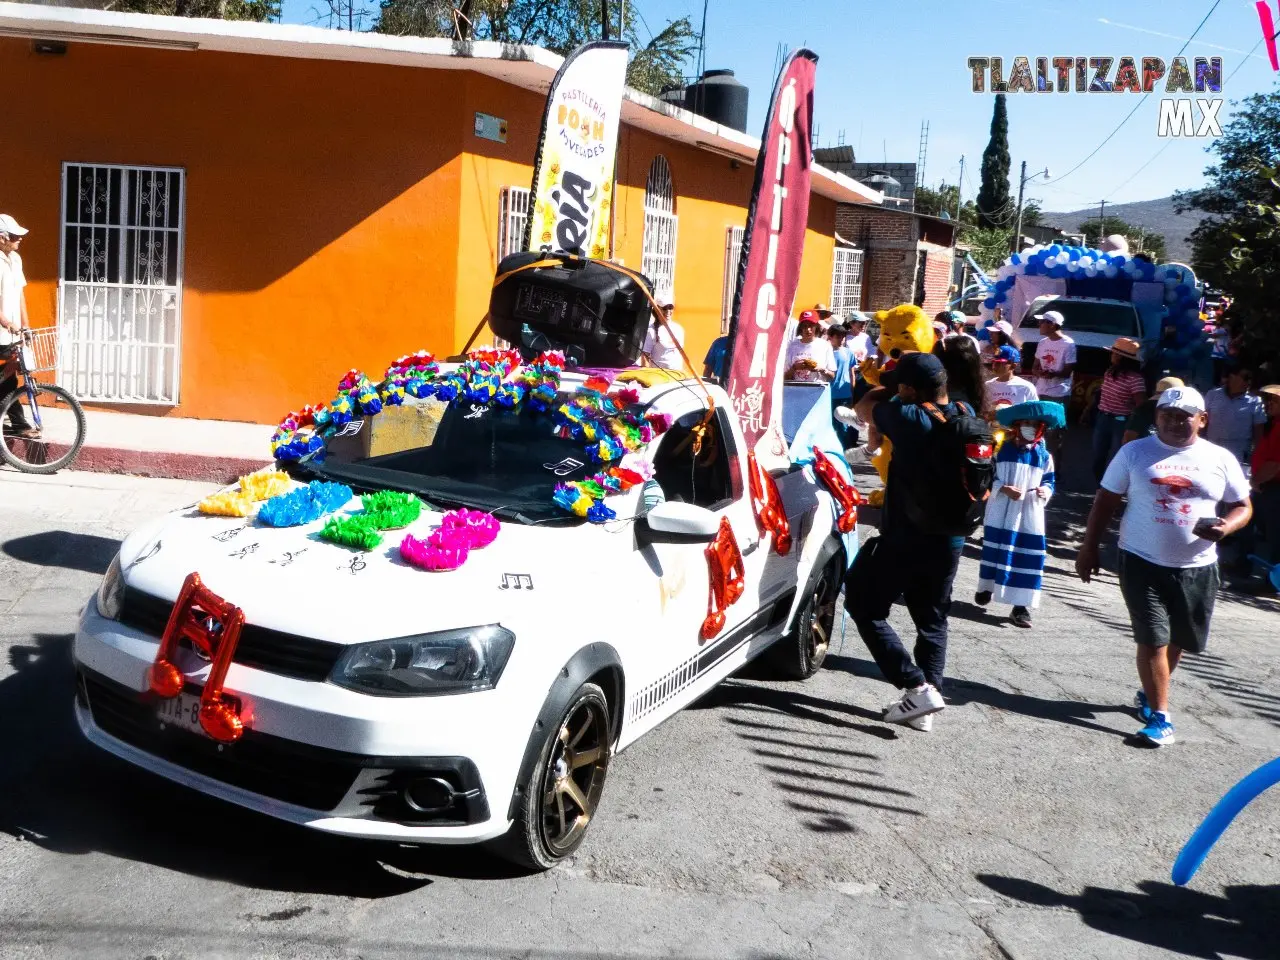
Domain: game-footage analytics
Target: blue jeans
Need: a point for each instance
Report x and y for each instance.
(1108, 431)
(920, 569)
(848, 436)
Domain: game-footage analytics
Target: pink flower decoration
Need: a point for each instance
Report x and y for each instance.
(436, 553)
(474, 527)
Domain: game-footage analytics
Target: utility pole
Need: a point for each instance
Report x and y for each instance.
(959, 187)
(1017, 233)
(1102, 211)
(604, 19)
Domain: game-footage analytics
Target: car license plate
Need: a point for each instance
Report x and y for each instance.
(182, 711)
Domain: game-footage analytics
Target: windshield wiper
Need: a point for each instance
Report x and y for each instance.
(509, 513)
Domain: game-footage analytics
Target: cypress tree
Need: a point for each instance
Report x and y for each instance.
(993, 195)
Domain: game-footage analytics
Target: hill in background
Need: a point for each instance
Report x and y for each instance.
(1154, 215)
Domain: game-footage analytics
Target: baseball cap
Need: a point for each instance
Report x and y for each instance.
(1127, 347)
(1168, 383)
(1006, 354)
(1052, 316)
(808, 316)
(1187, 399)
(921, 371)
(1004, 326)
(956, 316)
(10, 226)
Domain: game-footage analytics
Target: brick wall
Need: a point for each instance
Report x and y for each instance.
(937, 278)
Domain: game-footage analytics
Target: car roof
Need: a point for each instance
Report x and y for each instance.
(1045, 298)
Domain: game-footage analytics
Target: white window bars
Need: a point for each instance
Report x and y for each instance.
(732, 257)
(120, 282)
(846, 281)
(658, 262)
(513, 214)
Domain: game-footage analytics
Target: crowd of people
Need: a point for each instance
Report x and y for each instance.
(1199, 473)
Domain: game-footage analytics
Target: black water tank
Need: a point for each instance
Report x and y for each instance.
(720, 98)
(673, 95)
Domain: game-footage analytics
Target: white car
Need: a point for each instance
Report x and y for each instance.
(481, 704)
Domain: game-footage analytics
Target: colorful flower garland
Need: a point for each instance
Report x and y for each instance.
(610, 424)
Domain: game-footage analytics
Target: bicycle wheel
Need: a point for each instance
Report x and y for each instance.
(40, 456)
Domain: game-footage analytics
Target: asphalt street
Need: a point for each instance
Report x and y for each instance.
(771, 820)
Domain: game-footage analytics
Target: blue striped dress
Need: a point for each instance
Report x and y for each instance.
(1013, 536)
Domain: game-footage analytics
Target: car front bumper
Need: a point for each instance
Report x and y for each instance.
(312, 753)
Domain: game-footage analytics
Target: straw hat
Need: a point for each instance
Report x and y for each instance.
(1168, 383)
(1127, 347)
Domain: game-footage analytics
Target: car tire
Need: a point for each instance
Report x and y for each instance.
(799, 655)
(563, 790)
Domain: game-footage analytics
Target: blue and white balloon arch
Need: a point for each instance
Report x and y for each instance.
(1181, 349)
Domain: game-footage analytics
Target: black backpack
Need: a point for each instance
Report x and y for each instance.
(949, 496)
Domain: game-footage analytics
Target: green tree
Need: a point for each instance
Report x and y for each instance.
(1236, 187)
(217, 9)
(557, 25)
(995, 209)
(1141, 240)
(935, 203)
(989, 248)
(1032, 215)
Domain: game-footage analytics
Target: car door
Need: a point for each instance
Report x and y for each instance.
(714, 478)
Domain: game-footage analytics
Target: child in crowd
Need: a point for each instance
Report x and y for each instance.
(1013, 538)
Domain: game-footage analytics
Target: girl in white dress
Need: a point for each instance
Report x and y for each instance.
(1013, 536)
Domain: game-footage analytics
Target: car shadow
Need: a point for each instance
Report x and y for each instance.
(1186, 922)
(68, 797)
(62, 548)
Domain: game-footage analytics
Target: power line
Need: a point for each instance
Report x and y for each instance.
(1143, 100)
(1168, 143)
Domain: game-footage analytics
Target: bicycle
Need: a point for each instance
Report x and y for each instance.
(37, 353)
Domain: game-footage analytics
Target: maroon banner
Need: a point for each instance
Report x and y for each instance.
(769, 270)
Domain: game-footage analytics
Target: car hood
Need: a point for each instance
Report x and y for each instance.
(289, 579)
(1089, 341)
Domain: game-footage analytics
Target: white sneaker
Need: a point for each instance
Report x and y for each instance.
(921, 702)
(846, 416)
(924, 724)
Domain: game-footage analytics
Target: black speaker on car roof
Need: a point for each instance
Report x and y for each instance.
(576, 303)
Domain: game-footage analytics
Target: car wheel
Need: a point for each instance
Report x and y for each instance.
(799, 655)
(565, 785)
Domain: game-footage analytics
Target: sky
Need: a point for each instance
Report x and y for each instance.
(885, 68)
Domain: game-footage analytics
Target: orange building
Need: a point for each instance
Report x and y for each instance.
(254, 208)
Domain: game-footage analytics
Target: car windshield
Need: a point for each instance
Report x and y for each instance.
(461, 455)
(1087, 316)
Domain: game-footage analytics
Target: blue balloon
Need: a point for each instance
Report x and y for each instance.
(1033, 268)
(1058, 272)
(1182, 290)
(1000, 296)
(1055, 249)
(1074, 253)
(1015, 259)
(1220, 817)
(989, 303)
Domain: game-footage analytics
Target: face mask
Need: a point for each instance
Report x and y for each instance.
(1029, 432)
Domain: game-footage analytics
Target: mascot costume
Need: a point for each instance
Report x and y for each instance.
(903, 329)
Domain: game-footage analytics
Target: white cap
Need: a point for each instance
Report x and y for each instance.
(1052, 316)
(10, 226)
(1004, 326)
(1186, 399)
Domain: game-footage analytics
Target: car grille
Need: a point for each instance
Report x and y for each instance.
(299, 657)
(273, 767)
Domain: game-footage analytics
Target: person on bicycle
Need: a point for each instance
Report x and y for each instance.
(13, 318)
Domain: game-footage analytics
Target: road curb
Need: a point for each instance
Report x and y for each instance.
(153, 463)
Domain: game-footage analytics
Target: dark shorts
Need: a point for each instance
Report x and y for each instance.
(1168, 604)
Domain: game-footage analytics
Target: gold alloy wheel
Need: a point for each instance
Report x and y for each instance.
(574, 777)
(817, 637)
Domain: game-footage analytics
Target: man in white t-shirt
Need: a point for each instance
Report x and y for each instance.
(1174, 482)
(659, 345)
(810, 358)
(13, 316)
(1006, 387)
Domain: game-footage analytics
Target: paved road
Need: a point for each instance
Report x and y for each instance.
(772, 820)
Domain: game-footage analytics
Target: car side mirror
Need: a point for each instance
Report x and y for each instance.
(682, 522)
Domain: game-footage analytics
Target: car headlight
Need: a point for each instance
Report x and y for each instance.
(111, 593)
(451, 661)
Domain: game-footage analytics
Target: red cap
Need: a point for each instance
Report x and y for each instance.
(808, 316)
